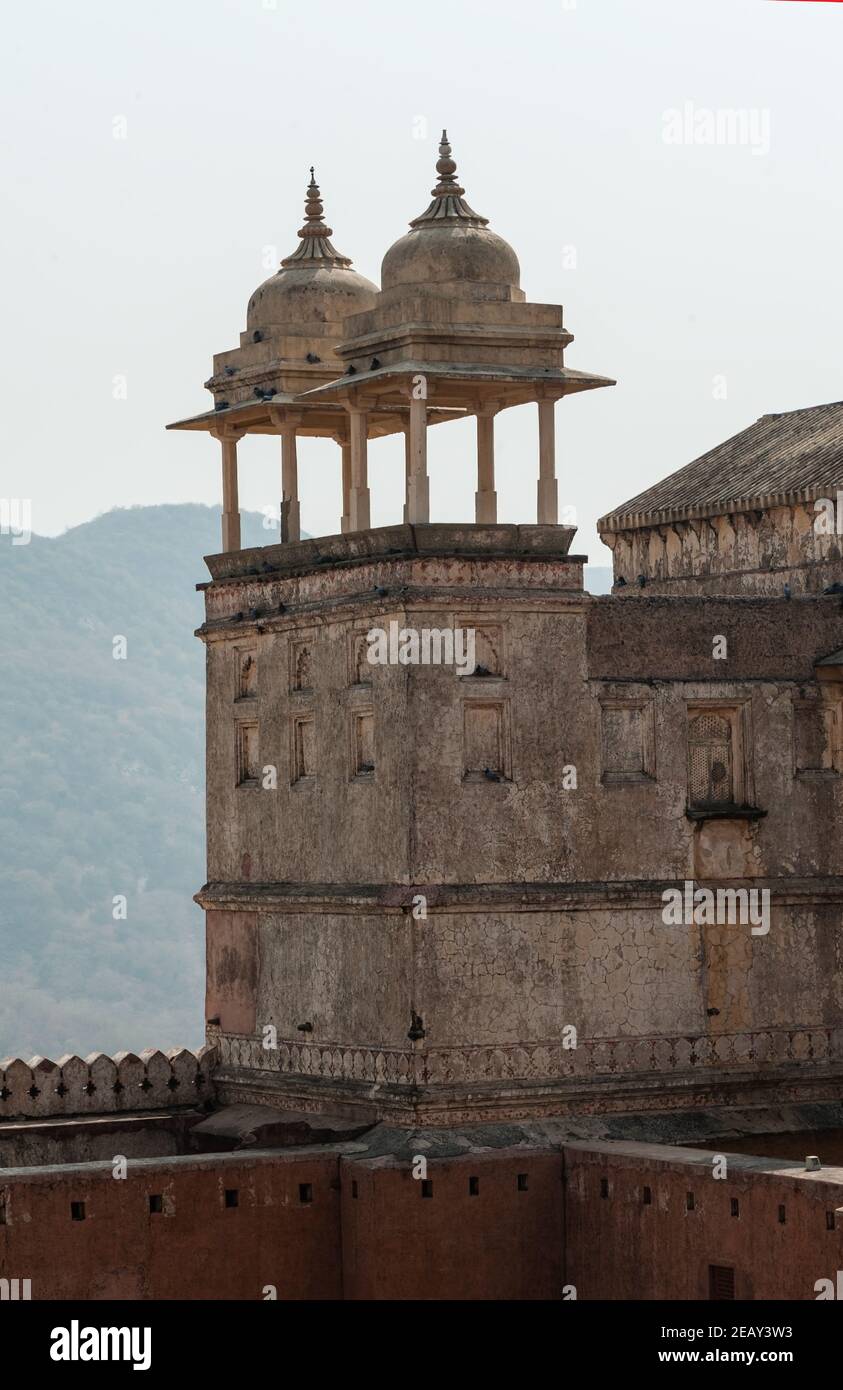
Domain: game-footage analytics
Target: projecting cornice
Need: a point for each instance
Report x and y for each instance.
(623, 895)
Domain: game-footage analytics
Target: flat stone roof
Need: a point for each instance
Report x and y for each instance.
(396, 542)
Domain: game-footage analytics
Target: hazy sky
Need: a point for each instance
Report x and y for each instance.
(701, 270)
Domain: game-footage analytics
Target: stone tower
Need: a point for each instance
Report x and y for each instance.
(370, 832)
(436, 888)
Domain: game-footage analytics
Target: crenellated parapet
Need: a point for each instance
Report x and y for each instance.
(100, 1085)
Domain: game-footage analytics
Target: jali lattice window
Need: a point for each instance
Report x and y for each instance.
(711, 760)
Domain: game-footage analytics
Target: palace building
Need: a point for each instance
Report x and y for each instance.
(456, 1047)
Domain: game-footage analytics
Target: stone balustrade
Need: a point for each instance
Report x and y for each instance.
(101, 1085)
(593, 1058)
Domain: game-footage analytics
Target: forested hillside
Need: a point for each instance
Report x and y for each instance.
(101, 782)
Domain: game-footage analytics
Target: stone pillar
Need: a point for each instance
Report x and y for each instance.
(418, 491)
(345, 523)
(358, 510)
(230, 501)
(290, 517)
(548, 501)
(406, 472)
(485, 498)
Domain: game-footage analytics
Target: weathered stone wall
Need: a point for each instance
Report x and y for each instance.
(755, 551)
(541, 859)
(420, 819)
(94, 1138)
(505, 978)
(672, 639)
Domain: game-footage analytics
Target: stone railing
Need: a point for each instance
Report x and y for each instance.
(593, 1058)
(101, 1085)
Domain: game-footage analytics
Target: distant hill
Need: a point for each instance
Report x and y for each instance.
(102, 781)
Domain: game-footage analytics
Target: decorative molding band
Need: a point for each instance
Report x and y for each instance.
(593, 1058)
(403, 601)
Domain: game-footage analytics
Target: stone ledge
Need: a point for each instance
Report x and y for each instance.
(394, 542)
(704, 813)
(238, 1127)
(477, 1103)
(623, 895)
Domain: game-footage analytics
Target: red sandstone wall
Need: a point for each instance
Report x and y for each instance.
(620, 1248)
(197, 1248)
(382, 1238)
(503, 1243)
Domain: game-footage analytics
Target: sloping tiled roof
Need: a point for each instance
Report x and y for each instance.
(783, 458)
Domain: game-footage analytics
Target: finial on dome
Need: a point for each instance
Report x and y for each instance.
(313, 211)
(448, 203)
(446, 168)
(315, 244)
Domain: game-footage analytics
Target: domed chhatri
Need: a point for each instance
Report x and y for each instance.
(452, 330)
(295, 320)
(450, 335)
(315, 285)
(451, 245)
